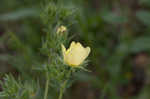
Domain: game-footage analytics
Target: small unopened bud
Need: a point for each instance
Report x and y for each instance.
(61, 30)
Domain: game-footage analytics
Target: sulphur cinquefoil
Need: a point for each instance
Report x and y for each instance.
(75, 54)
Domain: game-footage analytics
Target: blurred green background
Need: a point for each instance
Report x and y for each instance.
(118, 32)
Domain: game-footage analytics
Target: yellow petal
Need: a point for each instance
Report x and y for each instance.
(63, 50)
(71, 47)
(88, 50)
(72, 44)
(76, 54)
(83, 54)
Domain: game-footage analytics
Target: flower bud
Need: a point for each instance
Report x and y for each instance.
(61, 30)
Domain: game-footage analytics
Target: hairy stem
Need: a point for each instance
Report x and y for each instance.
(46, 86)
(62, 90)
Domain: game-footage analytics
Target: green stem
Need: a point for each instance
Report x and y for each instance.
(46, 86)
(104, 91)
(62, 90)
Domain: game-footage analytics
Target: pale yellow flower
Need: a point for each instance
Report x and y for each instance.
(61, 29)
(75, 55)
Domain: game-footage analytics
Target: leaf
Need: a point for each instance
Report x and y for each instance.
(140, 44)
(143, 16)
(144, 2)
(113, 18)
(22, 13)
(4, 57)
(85, 77)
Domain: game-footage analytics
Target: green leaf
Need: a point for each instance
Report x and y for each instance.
(140, 44)
(4, 57)
(144, 2)
(22, 13)
(111, 17)
(143, 16)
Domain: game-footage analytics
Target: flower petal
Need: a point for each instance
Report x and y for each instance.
(75, 54)
(63, 50)
(88, 50)
(73, 44)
